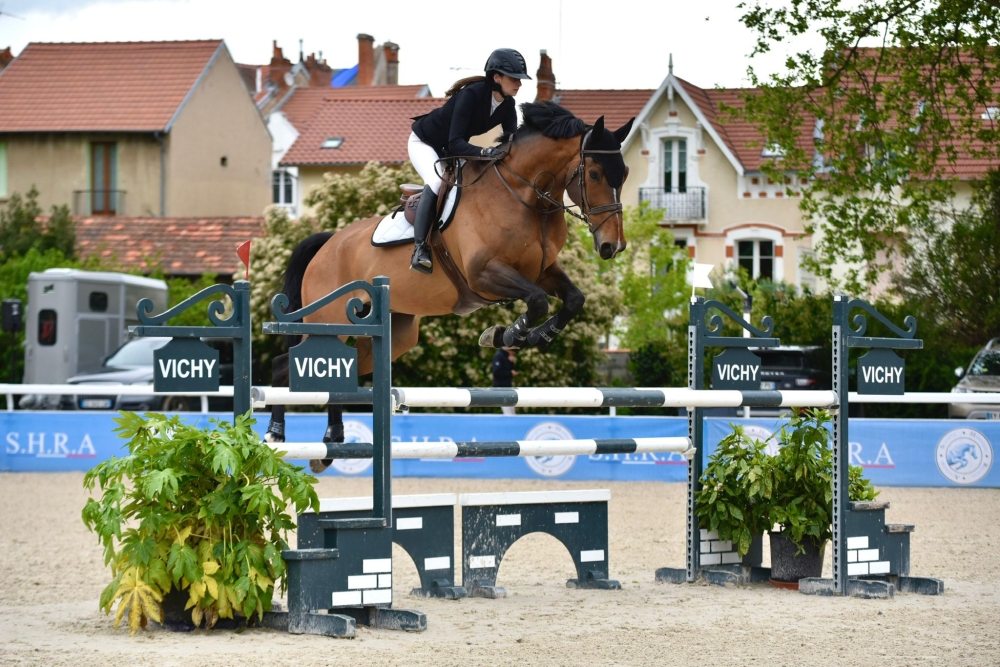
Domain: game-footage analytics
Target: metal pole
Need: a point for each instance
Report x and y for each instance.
(840, 441)
(382, 405)
(696, 351)
(241, 349)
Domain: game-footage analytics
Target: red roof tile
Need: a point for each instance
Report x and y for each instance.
(108, 86)
(304, 102)
(182, 246)
(617, 106)
(371, 129)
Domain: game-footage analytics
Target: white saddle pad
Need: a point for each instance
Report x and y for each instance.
(394, 229)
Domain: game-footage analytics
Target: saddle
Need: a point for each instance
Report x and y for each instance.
(411, 193)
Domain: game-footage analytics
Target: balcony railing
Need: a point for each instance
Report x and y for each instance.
(688, 204)
(98, 202)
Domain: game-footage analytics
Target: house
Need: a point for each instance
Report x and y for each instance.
(152, 129)
(289, 96)
(703, 171)
(343, 135)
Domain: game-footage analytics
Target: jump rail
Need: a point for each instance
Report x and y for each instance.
(455, 450)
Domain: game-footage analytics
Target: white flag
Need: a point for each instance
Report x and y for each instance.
(698, 275)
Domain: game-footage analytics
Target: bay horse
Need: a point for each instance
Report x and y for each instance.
(505, 239)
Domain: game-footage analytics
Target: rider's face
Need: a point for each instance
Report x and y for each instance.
(508, 84)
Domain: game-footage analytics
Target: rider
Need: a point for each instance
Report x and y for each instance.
(475, 104)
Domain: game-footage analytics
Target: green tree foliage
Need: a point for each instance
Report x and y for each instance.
(22, 230)
(203, 511)
(896, 91)
(951, 272)
(343, 198)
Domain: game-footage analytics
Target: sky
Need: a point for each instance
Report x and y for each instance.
(606, 44)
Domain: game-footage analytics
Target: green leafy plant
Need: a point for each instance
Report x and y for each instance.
(745, 491)
(193, 509)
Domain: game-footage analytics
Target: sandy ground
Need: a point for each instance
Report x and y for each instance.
(51, 576)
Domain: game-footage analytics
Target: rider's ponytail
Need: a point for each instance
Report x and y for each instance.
(462, 83)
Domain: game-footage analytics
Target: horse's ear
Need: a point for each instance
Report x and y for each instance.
(598, 128)
(623, 131)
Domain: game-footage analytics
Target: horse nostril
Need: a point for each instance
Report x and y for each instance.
(607, 251)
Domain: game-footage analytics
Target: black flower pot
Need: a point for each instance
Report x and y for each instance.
(788, 565)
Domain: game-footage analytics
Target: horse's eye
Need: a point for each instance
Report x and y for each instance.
(594, 176)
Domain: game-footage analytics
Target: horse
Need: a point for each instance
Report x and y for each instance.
(505, 239)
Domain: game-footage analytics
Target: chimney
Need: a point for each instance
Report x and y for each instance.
(6, 58)
(391, 53)
(366, 59)
(546, 89)
(279, 65)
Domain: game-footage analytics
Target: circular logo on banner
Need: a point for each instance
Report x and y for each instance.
(354, 431)
(550, 466)
(758, 432)
(964, 456)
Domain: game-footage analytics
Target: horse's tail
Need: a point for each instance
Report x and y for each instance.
(296, 271)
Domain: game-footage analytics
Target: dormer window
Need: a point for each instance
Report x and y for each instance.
(332, 142)
(772, 151)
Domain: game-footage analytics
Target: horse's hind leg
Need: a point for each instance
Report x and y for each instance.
(279, 378)
(334, 434)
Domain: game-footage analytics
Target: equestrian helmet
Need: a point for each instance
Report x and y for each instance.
(509, 62)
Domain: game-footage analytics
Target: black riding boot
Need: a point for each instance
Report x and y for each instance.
(426, 211)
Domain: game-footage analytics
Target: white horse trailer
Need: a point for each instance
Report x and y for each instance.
(75, 319)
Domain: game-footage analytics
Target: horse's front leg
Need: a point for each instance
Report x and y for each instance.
(279, 378)
(503, 280)
(556, 283)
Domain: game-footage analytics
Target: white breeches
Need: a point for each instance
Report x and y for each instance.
(424, 160)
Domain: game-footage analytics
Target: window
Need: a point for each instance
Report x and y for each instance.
(103, 178)
(991, 113)
(283, 188)
(757, 258)
(3, 169)
(98, 302)
(333, 142)
(675, 165)
(772, 150)
(47, 327)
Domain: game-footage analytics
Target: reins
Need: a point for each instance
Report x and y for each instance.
(586, 210)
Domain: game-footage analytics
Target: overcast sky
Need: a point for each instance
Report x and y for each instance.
(593, 44)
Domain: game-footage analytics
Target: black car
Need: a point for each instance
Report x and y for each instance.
(130, 364)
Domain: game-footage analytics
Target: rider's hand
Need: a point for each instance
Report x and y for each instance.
(492, 152)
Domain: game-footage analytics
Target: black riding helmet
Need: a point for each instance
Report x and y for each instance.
(506, 61)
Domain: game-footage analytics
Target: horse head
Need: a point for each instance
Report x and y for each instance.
(597, 187)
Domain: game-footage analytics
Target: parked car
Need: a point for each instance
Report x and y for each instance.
(983, 375)
(132, 363)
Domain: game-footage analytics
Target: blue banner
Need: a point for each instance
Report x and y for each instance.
(893, 452)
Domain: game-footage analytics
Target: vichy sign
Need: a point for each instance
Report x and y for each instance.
(736, 368)
(186, 364)
(881, 371)
(323, 363)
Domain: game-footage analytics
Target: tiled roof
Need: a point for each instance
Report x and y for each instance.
(182, 246)
(302, 105)
(617, 106)
(741, 137)
(108, 86)
(374, 129)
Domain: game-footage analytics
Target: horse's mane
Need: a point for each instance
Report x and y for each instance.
(548, 119)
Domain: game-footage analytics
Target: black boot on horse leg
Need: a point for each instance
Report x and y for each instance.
(334, 434)
(426, 212)
(559, 285)
(279, 378)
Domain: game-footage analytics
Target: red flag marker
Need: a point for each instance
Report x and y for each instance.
(243, 252)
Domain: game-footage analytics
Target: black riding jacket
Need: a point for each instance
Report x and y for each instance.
(466, 114)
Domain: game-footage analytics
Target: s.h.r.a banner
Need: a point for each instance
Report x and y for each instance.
(892, 452)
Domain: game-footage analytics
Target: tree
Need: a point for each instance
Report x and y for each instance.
(895, 94)
(21, 228)
(343, 198)
(951, 274)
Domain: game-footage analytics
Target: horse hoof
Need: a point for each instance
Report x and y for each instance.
(318, 466)
(492, 337)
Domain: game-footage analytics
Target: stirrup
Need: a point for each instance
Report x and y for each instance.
(421, 260)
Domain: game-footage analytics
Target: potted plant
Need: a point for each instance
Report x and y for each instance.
(745, 492)
(193, 519)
